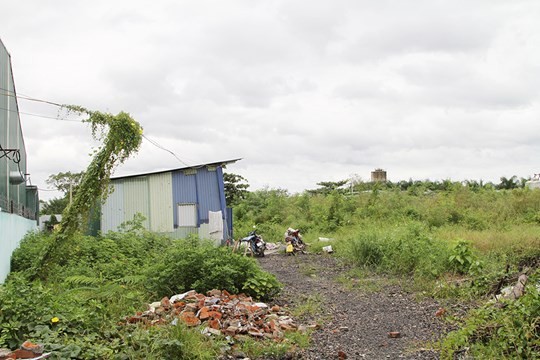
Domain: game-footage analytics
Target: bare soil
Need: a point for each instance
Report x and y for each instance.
(355, 322)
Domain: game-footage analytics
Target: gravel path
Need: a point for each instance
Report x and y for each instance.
(355, 323)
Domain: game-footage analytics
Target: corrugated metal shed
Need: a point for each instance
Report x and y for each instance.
(196, 190)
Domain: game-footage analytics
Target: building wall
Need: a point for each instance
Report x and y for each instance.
(18, 203)
(533, 184)
(13, 198)
(14, 228)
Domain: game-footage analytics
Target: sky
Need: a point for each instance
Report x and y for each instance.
(302, 91)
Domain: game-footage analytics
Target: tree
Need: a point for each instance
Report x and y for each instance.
(65, 181)
(54, 206)
(327, 187)
(508, 183)
(235, 188)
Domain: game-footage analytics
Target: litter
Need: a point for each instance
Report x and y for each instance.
(328, 249)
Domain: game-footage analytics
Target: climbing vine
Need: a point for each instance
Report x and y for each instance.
(120, 137)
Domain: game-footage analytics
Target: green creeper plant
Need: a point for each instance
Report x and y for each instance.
(120, 136)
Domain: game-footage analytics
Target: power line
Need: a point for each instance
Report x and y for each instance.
(165, 149)
(24, 97)
(41, 116)
(13, 94)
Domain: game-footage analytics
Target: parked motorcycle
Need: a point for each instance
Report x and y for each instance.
(256, 243)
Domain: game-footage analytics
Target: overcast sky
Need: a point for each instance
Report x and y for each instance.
(303, 91)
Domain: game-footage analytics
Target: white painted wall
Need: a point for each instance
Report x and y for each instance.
(12, 230)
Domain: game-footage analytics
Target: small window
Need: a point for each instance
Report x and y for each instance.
(187, 215)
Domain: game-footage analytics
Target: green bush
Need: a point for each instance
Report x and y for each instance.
(201, 266)
(463, 260)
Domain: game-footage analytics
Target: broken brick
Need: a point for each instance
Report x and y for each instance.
(24, 354)
(165, 303)
(231, 330)
(190, 319)
(214, 324)
(204, 313)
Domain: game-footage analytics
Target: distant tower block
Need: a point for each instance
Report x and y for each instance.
(378, 175)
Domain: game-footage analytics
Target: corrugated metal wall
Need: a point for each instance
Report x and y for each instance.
(136, 199)
(112, 211)
(161, 202)
(208, 193)
(184, 191)
(10, 132)
(157, 196)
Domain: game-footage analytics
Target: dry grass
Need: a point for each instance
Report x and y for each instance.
(515, 238)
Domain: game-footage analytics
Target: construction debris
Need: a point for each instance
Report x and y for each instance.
(27, 350)
(513, 292)
(221, 313)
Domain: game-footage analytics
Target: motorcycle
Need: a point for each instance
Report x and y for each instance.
(256, 243)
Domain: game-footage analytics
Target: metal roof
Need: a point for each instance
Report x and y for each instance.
(215, 163)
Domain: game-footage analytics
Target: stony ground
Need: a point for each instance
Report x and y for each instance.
(355, 320)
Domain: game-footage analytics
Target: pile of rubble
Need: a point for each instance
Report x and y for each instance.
(222, 313)
(27, 350)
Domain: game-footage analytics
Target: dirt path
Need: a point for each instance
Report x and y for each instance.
(355, 322)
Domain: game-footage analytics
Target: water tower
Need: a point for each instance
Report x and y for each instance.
(378, 175)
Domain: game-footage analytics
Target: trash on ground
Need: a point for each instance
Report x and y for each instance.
(324, 239)
(294, 238)
(221, 313)
(272, 246)
(328, 249)
(513, 292)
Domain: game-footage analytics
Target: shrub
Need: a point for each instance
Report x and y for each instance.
(463, 260)
(201, 266)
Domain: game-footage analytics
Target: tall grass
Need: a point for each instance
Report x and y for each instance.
(406, 249)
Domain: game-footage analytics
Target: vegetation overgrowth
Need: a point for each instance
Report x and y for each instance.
(449, 240)
(78, 311)
(453, 240)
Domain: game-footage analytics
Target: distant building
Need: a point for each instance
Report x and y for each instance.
(177, 202)
(534, 183)
(18, 201)
(378, 175)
